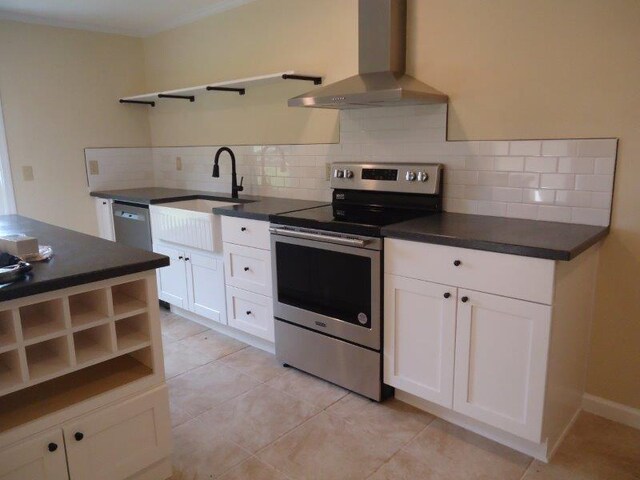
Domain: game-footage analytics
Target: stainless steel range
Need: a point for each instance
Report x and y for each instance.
(327, 269)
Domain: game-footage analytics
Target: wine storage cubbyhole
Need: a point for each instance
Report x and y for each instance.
(48, 358)
(42, 319)
(88, 307)
(93, 344)
(129, 297)
(7, 330)
(133, 332)
(10, 374)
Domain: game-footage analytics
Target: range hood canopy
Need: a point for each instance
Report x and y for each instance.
(381, 81)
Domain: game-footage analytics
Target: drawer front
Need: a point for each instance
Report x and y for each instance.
(241, 231)
(248, 268)
(507, 275)
(250, 312)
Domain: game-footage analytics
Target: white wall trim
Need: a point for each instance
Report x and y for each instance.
(8, 203)
(611, 410)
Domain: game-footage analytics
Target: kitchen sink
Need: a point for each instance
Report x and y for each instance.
(189, 222)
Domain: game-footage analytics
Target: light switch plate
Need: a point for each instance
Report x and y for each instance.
(94, 168)
(178, 163)
(27, 174)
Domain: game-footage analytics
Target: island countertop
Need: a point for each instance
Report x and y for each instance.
(77, 258)
(530, 238)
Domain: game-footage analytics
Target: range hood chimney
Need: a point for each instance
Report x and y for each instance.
(381, 79)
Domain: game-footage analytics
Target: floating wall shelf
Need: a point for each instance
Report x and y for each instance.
(238, 86)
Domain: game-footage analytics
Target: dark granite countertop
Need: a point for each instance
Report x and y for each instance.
(77, 258)
(529, 238)
(250, 206)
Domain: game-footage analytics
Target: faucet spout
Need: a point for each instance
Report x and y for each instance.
(235, 188)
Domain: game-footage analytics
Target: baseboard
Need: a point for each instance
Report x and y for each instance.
(562, 436)
(535, 450)
(611, 410)
(226, 330)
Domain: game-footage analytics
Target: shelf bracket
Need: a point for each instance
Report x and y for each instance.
(139, 102)
(239, 91)
(191, 98)
(315, 80)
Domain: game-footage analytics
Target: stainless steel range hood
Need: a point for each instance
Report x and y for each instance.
(381, 81)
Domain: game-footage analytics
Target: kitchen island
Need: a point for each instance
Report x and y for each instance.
(82, 390)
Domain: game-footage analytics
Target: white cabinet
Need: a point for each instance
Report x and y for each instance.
(419, 337)
(194, 281)
(506, 348)
(501, 362)
(105, 218)
(247, 266)
(172, 280)
(38, 458)
(205, 283)
(113, 442)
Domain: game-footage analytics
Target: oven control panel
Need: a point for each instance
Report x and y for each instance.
(422, 178)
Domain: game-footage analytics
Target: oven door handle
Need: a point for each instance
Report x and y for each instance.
(352, 242)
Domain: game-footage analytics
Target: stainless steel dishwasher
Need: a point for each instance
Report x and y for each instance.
(132, 225)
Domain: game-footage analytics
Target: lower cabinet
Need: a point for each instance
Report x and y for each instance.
(104, 211)
(419, 339)
(194, 281)
(250, 312)
(483, 355)
(41, 457)
(112, 443)
(501, 362)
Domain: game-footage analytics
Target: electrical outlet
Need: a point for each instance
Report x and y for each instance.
(178, 163)
(27, 174)
(94, 168)
(327, 171)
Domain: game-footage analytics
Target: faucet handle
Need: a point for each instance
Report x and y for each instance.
(240, 187)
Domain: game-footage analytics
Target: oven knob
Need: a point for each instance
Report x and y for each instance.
(338, 173)
(348, 173)
(411, 176)
(423, 176)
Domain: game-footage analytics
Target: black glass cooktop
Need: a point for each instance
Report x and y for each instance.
(355, 220)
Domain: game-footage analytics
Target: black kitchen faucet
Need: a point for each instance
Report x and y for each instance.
(235, 188)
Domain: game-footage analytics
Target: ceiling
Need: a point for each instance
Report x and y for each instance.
(139, 18)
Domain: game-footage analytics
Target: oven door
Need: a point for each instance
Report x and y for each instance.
(328, 287)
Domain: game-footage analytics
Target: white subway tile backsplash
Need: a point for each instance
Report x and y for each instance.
(541, 164)
(594, 183)
(538, 196)
(597, 147)
(509, 164)
(604, 166)
(525, 148)
(524, 180)
(562, 180)
(576, 165)
(557, 181)
(554, 214)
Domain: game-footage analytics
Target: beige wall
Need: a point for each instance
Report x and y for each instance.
(553, 69)
(268, 36)
(59, 93)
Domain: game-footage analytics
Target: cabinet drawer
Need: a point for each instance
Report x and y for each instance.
(241, 231)
(507, 275)
(250, 312)
(119, 441)
(248, 268)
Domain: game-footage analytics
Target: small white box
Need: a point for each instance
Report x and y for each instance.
(19, 245)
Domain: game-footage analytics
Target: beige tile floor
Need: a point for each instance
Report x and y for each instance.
(238, 414)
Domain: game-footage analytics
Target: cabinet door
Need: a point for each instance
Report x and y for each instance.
(501, 361)
(419, 338)
(172, 280)
(116, 442)
(105, 219)
(34, 459)
(206, 286)
(250, 312)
